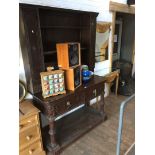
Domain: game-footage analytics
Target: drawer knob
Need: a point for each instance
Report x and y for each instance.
(29, 121)
(28, 137)
(32, 31)
(68, 103)
(31, 151)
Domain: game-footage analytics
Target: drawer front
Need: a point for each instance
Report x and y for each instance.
(69, 103)
(28, 136)
(28, 122)
(94, 91)
(34, 149)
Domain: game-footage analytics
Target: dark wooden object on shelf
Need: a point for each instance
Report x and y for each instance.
(41, 28)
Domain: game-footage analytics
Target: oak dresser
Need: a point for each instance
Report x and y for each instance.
(41, 28)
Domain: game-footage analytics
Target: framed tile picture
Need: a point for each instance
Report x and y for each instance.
(52, 83)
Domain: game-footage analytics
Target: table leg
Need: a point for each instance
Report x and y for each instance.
(53, 147)
(97, 103)
(101, 106)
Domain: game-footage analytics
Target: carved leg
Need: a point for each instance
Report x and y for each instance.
(101, 106)
(97, 103)
(53, 147)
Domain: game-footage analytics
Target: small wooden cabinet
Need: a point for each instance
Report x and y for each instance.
(30, 141)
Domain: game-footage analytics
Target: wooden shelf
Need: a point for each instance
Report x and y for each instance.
(64, 27)
(99, 55)
(73, 126)
(49, 52)
(50, 64)
(83, 48)
(54, 51)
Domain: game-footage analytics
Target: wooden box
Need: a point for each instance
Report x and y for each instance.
(52, 83)
(73, 78)
(68, 55)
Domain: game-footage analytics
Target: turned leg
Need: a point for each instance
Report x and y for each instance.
(53, 147)
(97, 103)
(102, 103)
(101, 106)
(52, 132)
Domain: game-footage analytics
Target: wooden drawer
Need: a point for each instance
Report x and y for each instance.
(69, 103)
(34, 149)
(28, 122)
(94, 91)
(27, 137)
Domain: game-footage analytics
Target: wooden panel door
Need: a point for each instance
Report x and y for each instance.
(31, 45)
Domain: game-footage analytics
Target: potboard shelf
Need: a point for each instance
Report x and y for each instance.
(54, 51)
(74, 125)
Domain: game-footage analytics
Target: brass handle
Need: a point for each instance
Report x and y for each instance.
(94, 91)
(31, 151)
(68, 103)
(29, 121)
(28, 137)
